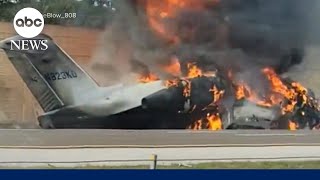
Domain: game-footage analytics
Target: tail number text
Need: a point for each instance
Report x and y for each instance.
(55, 76)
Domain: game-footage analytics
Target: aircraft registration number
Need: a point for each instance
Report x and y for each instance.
(55, 76)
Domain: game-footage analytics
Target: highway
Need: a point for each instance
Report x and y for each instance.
(70, 148)
(153, 138)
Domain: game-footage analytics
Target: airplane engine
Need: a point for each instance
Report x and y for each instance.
(170, 99)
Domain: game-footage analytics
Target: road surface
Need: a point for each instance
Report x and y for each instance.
(153, 138)
(70, 148)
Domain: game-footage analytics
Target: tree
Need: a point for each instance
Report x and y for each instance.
(90, 13)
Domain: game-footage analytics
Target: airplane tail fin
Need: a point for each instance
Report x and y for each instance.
(52, 76)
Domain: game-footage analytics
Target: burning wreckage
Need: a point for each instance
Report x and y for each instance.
(286, 104)
(219, 61)
(226, 58)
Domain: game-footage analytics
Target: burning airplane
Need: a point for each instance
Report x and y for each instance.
(241, 48)
(209, 64)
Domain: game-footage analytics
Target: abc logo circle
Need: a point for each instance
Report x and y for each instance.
(28, 22)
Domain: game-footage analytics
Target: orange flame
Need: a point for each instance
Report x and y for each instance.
(147, 78)
(217, 95)
(292, 94)
(171, 83)
(277, 85)
(187, 88)
(194, 71)
(278, 91)
(215, 122)
(244, 91)
(292, 126)
(211, 121)
(174, 67)
(197, 125)
(158, 13)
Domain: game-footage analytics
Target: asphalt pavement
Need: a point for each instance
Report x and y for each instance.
(153, 138)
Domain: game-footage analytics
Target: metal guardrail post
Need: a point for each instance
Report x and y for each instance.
(153, 164)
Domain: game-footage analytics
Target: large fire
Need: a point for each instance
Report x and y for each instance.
(160, 11)
(211, 120)
(289, 96)
(277, 92)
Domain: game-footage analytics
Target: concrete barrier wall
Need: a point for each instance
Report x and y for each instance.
(17, 104)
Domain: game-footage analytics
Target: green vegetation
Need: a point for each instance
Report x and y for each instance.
(218, 165)
(88, 14)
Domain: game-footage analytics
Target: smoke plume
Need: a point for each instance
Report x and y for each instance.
(237, 35)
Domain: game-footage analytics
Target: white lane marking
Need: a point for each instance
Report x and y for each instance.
(270, 135)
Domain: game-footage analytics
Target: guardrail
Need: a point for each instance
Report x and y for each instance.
(151, 163)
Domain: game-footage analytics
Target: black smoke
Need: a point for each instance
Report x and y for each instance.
(241, 35)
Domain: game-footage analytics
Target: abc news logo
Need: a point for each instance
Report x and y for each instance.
(29, 23)
(26, 22)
